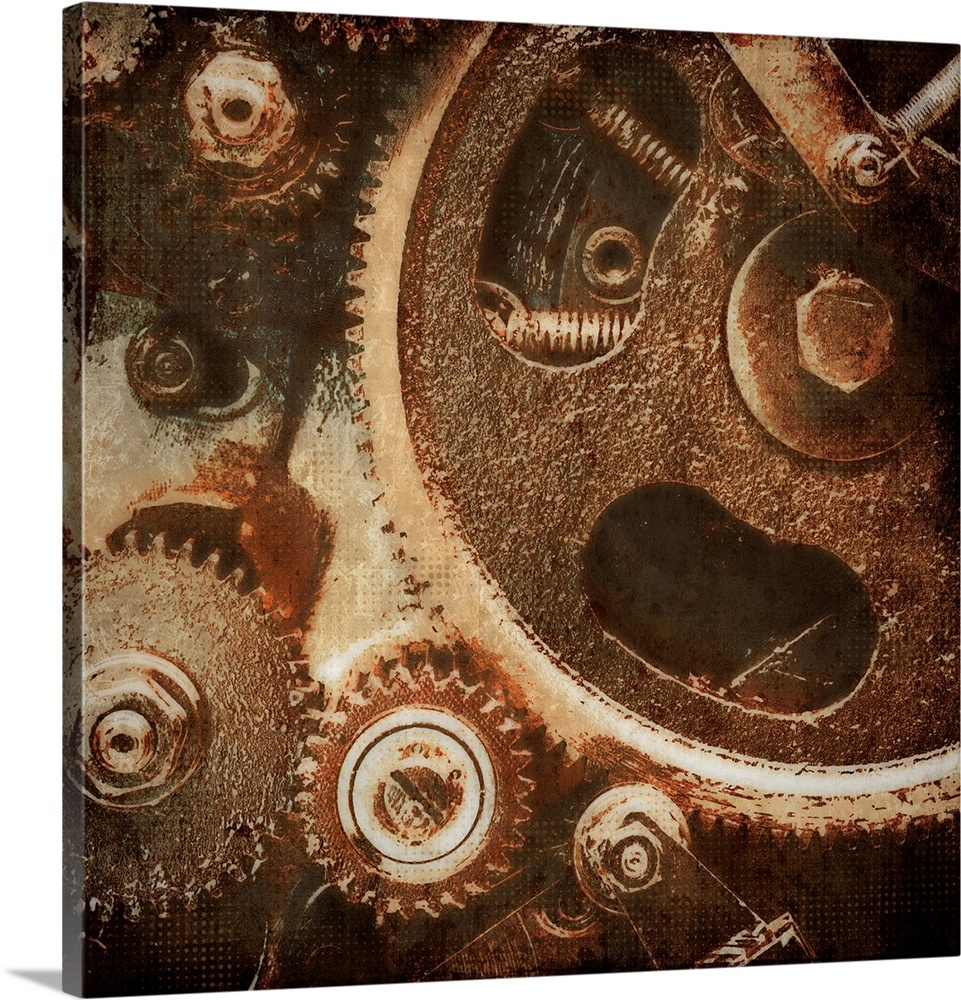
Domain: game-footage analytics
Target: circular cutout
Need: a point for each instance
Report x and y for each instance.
(417, 787)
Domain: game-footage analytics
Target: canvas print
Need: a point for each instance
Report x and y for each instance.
(510, 519)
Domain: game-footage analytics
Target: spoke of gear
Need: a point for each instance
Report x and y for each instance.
(181, 734)
(414, 788)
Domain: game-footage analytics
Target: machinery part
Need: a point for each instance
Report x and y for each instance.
(632, 855)
(414, 791)
(163, 369)
(566, 912)
(750, 136)
(270, 138)
(810, 301)
(780, 940)
(860, 167)
(666, 570)
(845, 330)
(620, 840)
(512, 507)
(239, 112)
(613, 117)
(612, 262)
(895, 196)
(142, 730)
(176, 367)
(587, 185)
(184, 709)
(931, 103)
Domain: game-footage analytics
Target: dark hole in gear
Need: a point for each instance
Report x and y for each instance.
(238, 110)
(712, 601)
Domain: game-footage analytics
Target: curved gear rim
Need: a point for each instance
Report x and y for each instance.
(732, 789)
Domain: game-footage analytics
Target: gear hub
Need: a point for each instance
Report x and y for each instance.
(414, 790)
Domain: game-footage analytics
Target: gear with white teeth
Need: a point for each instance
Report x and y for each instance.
(414, 787)
(182, 738)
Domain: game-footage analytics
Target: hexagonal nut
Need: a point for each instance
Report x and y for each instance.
(845, 331)
(239, 112)
(620, 842)
(140, 715)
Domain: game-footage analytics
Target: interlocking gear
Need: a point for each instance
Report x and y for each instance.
(498, 493)
(414, 786)
(182, 738)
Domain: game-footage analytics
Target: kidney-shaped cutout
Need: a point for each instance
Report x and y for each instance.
(713, 602)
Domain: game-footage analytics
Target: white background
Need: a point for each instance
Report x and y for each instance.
(29, 394)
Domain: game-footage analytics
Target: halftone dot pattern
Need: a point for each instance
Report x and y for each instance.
(216, 946)
(584, 161)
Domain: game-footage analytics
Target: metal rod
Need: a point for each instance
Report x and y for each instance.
(932, 102)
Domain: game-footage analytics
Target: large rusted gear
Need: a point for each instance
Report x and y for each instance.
(480, 496)
(414, 786)
(181, 735)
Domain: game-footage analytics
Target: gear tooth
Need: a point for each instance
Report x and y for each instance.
(422, 906)
(212, 564)
(535, 740)
(779, 835)
(401, 676)
(186, 552)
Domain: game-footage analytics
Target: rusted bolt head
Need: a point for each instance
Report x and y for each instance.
(621, 840)
(239, 112)
(860, 166)
(140, 729)
(845, 331)
(632, 860)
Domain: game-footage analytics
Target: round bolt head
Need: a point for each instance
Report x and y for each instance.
(620, 842)
(845, 331)
(417, 794)
(859, 164)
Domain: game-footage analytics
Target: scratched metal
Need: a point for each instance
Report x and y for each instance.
(474, 433)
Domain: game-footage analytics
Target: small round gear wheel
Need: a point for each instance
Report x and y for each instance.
(180, 731)
(414, 786)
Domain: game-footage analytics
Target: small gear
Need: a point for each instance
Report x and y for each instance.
(179, 727)
(415, 786)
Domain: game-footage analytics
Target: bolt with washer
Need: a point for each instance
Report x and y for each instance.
(622, 840)
(845, 331)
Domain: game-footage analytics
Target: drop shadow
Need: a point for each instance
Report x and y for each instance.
(50, 978)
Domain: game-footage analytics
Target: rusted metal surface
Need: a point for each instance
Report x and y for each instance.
(555, 431)
(895, 192)
(415, 786)
(167, 727)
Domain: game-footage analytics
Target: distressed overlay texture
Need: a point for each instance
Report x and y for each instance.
(511, 520)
